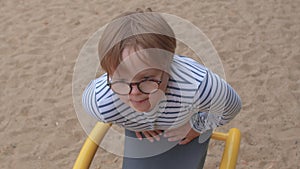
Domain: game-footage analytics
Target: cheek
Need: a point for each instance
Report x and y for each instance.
(156, 97)
(125, 99)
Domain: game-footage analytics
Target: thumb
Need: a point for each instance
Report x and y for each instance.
(185, 141)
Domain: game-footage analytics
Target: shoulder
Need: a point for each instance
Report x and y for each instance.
(186, 75)
(187, 69)
(107, 105)
(99, 91)
(103, 93)
(189, 62)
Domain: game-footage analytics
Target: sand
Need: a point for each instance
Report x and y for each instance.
(258, 43)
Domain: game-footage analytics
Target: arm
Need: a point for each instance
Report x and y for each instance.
(219, 102)
(89, 102)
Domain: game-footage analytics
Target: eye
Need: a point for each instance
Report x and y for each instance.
(147, 77)
(151, 77)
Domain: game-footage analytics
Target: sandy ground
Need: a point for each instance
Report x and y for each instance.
(258, 42)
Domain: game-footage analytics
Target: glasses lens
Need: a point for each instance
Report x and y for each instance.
(148, 86)
(120, 88)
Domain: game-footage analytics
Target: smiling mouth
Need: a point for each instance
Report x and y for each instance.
(138, 102)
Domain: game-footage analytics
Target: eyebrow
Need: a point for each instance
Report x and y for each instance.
(149, 73)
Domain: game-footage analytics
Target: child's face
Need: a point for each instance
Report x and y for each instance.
(139, 68)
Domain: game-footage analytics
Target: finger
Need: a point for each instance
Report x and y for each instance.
(159, 132)
(170, 133)
(147, 135)
(154, 134)
(185, 141)
(138, 135)
(176, 138)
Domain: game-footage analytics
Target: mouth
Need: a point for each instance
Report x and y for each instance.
(138, 102)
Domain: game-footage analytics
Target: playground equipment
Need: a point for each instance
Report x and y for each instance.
(229, 158)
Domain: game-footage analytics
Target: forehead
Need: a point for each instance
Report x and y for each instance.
(127, 52)
(143, 61)
(129, 75)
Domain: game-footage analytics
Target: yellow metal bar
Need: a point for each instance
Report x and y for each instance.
(231, 151)
(88, 150)
(219, 136)
(90, 146)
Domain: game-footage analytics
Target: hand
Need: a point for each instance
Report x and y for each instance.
(184, 133)
(149, 135)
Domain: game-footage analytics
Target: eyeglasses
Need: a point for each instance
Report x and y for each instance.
(146, 86)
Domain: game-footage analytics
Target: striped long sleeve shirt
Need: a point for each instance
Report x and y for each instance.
(194, 94)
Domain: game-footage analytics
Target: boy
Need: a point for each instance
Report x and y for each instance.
(157, 95)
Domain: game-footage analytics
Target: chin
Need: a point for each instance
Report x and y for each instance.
(141, 109)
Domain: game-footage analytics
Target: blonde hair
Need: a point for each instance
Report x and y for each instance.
(139, 29)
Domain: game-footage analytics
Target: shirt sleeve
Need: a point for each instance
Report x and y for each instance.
(216, 102)
(89, 101)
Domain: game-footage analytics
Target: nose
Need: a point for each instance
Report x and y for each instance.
(135, 90)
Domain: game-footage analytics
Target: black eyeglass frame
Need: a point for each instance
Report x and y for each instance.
(135, 83)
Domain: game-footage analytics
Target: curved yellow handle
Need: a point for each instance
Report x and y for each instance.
(90, 146)
(229, 158)
(232, 145)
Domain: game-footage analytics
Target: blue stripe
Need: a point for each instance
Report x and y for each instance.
(112, 94)
(205, 99)
(180, 89)
(108, 111)
(193, 70)
(214, 94)
(174, 117)
(173, 71)
(175, 101)
(104, 105)
(138, 126)
(109, 117)
(162, 121)
(119, 113)
(177, 81)
(170, 107)
(174, 112)
(220, 104)
(204, 90)
(180, 96)
(107, 90)
(185, 61)
(100, 83)
(187, 74)
(117, 107)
